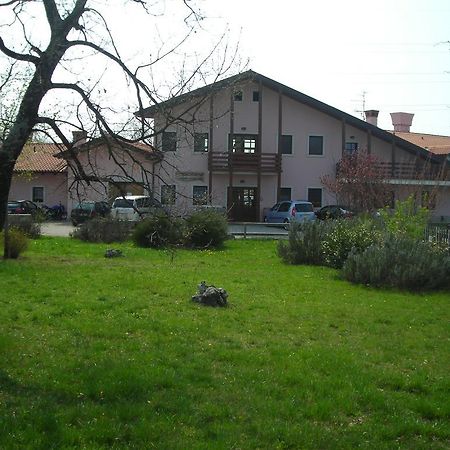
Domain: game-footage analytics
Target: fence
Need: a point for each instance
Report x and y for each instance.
(258, 229)
(435, 233)
(438, 233)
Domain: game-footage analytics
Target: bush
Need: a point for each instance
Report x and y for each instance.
(104, 229)
(27, 224)
(406, 219)
(206, 229)
(158, 231)
(346, 236)
(401, 262)
(18, 242)
(304, 244)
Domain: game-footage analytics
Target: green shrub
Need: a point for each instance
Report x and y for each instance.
(28, 224)
(402, 262)
(304, 245)
(406, 218)
(346, 236)
(104, 229)
(206, 229)
(17, 240)
(160, 230)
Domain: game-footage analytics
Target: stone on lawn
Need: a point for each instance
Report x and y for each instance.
(210, 295)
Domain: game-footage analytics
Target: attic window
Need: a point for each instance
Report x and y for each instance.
(238, 96)
(256, 96)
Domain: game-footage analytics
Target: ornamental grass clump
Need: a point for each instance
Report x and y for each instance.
(402, 262)
(17, 242)
(348, 236)
(304, 245)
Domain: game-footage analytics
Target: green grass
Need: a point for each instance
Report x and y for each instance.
(111, 353)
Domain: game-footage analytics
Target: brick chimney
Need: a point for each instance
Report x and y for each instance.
(402, 121)
(372, 116)
(79, 137)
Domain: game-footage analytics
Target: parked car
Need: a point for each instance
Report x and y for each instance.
(134, 207)
(23, 207)
(333, 212)
(288, 211)
(84, 211)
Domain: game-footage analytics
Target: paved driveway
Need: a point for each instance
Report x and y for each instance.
(57, 228)
(65, 228)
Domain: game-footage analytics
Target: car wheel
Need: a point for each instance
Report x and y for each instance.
(286, 224)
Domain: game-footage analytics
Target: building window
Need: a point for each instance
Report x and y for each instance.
(244, 143)
(201, 142)
(285, 194)
(351, 147)
(286, 144)
(315, 197)
(38, 194)
(315, 145)
(238, 96)
(168, 194)
(169, 141)
(256, 96)
(199, 195)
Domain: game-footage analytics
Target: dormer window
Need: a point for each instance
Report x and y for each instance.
(238, 96)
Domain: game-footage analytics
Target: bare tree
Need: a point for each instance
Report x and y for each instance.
(56, 81)
(358, 182)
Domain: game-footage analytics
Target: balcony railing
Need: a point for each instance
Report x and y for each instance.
(245, 162)
(401, 171)
(409, 171)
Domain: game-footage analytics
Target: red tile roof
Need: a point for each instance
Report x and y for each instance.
(38, 157)
(439, 145)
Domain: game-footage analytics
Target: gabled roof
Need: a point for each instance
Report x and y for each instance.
(39, 157)
(437, 144)
(147, 151)
(250, 75)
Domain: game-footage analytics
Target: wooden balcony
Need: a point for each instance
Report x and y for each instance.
(245, 162)
(405, 171)
(409, 171)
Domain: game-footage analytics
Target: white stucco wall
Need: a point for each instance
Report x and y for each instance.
(54, 184)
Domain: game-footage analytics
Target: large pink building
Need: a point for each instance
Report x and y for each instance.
(243, 143)
(248, 141)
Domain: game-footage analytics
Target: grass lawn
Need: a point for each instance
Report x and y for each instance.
(111, 353)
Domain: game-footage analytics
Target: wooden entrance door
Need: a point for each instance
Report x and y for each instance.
(242, 204)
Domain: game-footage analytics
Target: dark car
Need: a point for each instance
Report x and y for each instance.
(87, 210)
(23, 207)
(333, 212)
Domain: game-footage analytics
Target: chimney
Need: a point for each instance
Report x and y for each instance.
(79, 137)
(372, 116)
(402, 121)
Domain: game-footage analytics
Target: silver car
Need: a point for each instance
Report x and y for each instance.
(288, 211)
(135, 207)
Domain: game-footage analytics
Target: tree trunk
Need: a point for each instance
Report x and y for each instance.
(6, 171)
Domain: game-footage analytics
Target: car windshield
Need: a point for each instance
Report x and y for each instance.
(304, 207)
(123, 203)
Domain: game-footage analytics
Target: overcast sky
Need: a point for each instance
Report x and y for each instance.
(397, 52)
(382, 54)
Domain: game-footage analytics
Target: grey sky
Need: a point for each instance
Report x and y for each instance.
(336, 50)
(395, 51)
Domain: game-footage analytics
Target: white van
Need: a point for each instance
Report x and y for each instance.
(135, 207)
